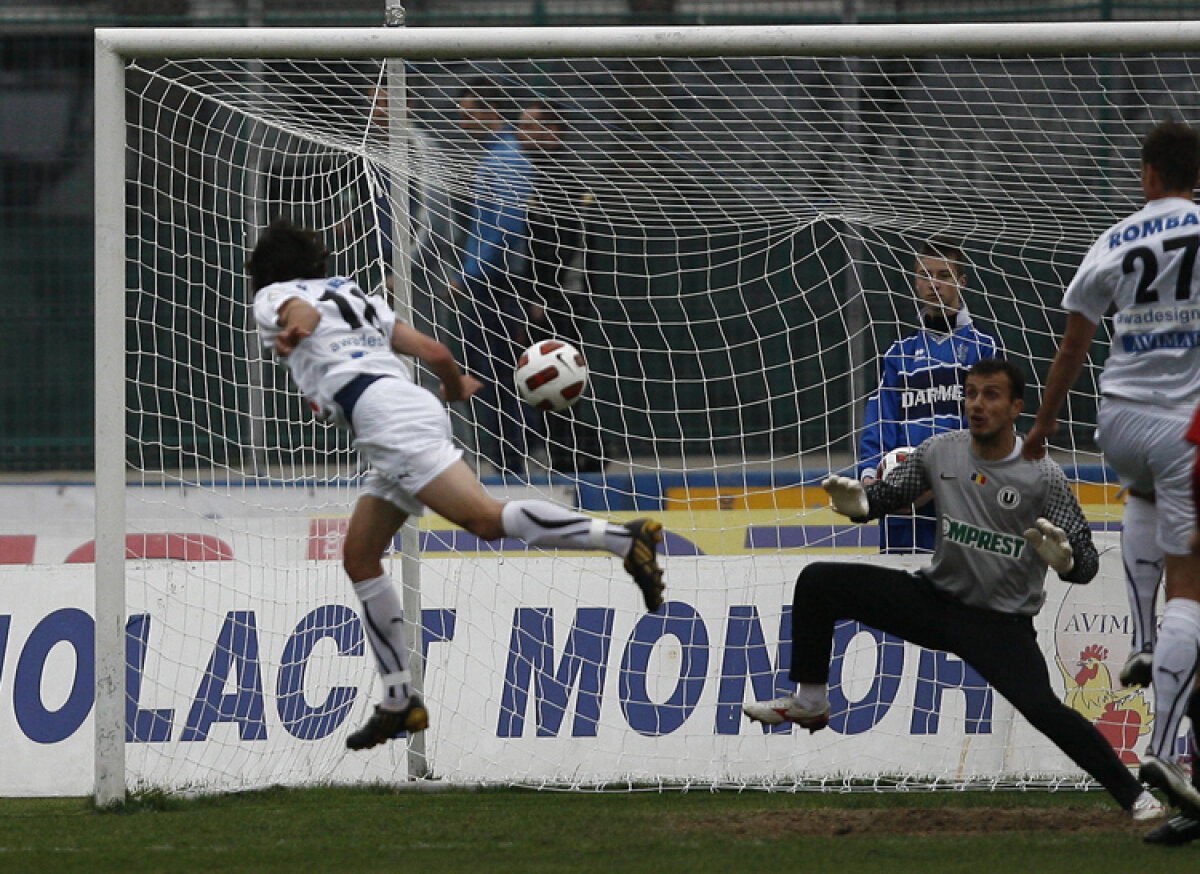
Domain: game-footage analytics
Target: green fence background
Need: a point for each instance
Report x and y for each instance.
(46, 406)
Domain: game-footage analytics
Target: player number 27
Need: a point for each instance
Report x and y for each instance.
(1190, 244)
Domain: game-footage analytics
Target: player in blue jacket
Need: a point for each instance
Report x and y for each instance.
(921, 385)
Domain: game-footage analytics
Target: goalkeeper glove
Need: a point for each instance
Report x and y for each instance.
(1052, 545)
(849, 499)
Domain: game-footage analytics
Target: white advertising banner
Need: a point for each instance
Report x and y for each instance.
(246, 666)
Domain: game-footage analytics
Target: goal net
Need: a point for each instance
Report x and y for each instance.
(728, 234)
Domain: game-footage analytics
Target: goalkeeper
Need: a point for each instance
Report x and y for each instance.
(1002, 521)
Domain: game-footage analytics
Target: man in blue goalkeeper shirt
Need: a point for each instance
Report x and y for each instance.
(920, 387)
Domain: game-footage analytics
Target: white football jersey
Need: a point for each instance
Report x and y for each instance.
(1146, 266)
(352, 338)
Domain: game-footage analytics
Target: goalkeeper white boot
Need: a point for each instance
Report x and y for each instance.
(788, 709)
(1147, 808)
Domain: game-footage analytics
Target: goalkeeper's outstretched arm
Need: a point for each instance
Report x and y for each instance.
(904, 484)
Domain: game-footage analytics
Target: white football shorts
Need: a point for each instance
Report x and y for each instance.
(1145, 445)
(403, 432)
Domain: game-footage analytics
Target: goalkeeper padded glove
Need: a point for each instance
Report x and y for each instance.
(849, 499)
(1052, 545)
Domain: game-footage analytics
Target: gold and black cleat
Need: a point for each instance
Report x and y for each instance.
(641, 561)
(385, 725)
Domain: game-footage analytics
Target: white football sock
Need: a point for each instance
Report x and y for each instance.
(812, 696)
(540, 523)
(1175, 659)
(383, 621)
(1143, 567)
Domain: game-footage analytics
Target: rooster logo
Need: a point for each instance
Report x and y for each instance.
(1120, 716)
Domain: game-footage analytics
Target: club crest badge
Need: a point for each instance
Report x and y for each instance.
(1008, 497)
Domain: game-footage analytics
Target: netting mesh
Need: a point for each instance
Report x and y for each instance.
(743, 233)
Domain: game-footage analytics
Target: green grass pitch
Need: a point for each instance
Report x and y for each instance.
(380, 829)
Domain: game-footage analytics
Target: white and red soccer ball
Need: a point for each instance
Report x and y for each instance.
(892, 460)
(551, 375)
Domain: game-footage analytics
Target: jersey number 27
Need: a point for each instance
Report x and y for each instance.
(1190, 244)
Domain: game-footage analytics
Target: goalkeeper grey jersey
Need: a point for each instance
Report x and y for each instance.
(982, 558)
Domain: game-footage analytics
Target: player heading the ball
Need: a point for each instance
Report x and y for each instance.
(343, 347)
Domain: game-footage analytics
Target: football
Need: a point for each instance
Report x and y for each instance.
(893, 459)
(551, 375)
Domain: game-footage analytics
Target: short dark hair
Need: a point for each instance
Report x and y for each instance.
(992, 366)
(284, 251)
(551, 115)
(489, 93)
(946, 249)
(1173, 150)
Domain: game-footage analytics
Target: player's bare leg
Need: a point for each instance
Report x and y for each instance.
(372, 526)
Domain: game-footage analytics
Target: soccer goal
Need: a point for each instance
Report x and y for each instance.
(734, 214)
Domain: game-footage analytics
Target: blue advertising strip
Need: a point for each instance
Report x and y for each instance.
(812, 536)
(646, 492)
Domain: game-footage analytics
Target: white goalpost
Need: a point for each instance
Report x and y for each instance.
(736, 213)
